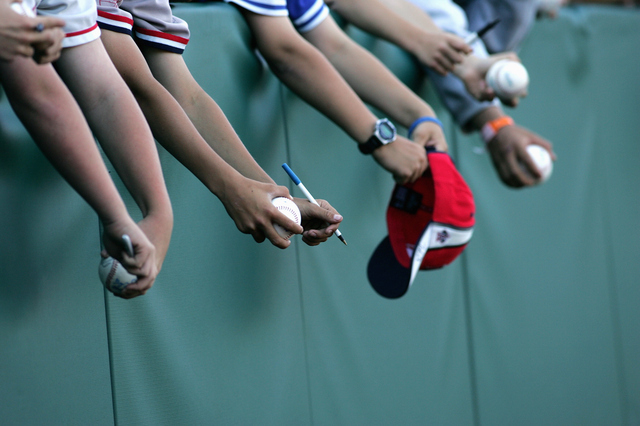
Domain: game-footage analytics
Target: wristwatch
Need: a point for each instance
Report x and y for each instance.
(384, 133)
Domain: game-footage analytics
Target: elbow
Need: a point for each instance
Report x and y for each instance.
(282, 57)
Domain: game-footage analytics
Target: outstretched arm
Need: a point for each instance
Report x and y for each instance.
(211, 123)
(373, 81)
(430, 45)
(308, 73)
(120, 126)
(508, 149)
(207, 117)
(247, 200)
(57, 125)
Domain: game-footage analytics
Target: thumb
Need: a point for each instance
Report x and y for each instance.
(328, 213)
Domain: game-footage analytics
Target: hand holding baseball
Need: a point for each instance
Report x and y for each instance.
(289, 209)
(125, 265)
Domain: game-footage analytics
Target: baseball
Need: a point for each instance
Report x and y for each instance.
(289, 209)
(542, 159)
(113, 275)
(509, 79)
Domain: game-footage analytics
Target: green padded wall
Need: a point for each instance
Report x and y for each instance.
(553, 302)
(535, 324)
(53, 349)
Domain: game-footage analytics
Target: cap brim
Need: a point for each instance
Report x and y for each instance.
(386, 275)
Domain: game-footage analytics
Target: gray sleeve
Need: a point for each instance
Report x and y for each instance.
(452, 92)
(516, 19)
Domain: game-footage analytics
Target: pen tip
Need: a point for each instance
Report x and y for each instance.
(342, 239)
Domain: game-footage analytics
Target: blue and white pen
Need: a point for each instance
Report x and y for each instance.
(307, 194)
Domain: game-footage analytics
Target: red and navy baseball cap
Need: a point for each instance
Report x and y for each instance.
(430, 222)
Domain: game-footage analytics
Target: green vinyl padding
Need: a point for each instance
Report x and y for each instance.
(535, 324)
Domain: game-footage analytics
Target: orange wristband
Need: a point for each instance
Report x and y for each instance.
(490, 128)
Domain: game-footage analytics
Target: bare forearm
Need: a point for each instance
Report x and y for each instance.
(379, 20)
(371, 80)
(203, 112)
(213, 125)
(55, 122)
(315, 81)
(173, 129)
(311, 76)
(412, 13)
(118, 123)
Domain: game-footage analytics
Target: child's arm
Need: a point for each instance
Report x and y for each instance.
(308, 73)
(247, 199)
(374, 83)
(431, 46)
(55, 122)
(319, 223)
(171, 71)
(120, 126)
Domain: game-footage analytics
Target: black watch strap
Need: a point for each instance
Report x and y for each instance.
(370, 145)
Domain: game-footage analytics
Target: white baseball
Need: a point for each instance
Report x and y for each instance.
(542, 159)
(509, 79)
(289, 209)
(113, 275)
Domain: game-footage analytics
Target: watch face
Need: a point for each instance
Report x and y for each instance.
(386, 131)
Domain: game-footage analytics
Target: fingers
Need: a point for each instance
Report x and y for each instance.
(510, 102)
(135, 253)
(50, 22)
(319, 221)
(459, 45)
(139, 288)
(523, 170)
(50, 49)
(452, 55)
(287, 223)
(323, 212)
(38, 37)
(454, 51)
(267, 230)
(511, 160)
(441, 67)
(146, 272)
(546, 145)
(529, 166)
(24, 50)
(446, 60)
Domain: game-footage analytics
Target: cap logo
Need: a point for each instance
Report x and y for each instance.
(442, 236)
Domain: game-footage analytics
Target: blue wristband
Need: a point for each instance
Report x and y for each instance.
(422, 120)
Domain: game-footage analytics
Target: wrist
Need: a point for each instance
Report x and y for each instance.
(491, 128)
(487, 114)
(421, 120)
(414, 40)
(384, 133)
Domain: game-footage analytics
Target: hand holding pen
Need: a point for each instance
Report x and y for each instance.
(307, 194)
